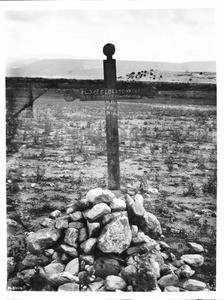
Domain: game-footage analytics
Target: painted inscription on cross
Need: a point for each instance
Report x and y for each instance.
(116, 93)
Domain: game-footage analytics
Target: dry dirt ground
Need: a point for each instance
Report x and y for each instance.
(167, 143)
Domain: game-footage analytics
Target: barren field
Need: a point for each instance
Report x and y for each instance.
(167, 153)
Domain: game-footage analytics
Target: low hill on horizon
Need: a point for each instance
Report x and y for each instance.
(93, 69)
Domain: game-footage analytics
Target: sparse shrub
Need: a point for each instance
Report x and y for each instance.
(169, 161)
(39, 173)
(164, 149)
(178, 136)
(192, 190)
(36, 138)
(210, 187)
(202, 137)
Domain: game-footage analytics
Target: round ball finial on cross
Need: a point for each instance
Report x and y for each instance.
(109, 50)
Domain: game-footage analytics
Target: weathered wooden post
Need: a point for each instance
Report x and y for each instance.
(109, 66)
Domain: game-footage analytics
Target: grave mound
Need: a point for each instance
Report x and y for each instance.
(103, 243)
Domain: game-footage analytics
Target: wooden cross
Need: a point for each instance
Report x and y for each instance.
(109, 67)
(111, 93)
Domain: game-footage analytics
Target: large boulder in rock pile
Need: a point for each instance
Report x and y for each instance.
(194, 260)
(42, 239)
(116, 236)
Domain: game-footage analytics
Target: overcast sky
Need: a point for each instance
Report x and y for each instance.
(172, 35)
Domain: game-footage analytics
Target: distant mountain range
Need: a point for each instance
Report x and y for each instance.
(93, 69)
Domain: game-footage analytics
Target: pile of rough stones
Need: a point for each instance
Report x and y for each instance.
(105, 243)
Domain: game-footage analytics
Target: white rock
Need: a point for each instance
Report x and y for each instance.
(196, 248)
(71, 236)
(116, 236)
(194, 285)
(76, 216)
(153, 191)
(172, 267)
(113, 283)
(11, 222)
(89, 245)
(49, 252)
(61, 223)
(99, 195)
(47, 222)
(114, 215)
(98, 211)
(93, 194)
(117, 204)
(134, 230)
(69, 250)
(172, 256)
(186, 271)
(56, 256)
(82, 235)
(170, 279)
(137, 207)
(53, 268)
(194, 260)
(171, 288)
(93, 228)
(88, 259)
(139, 198)
(73, 267)
(164, 245)
(151, 225)
(164, 255)
(55, 214)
